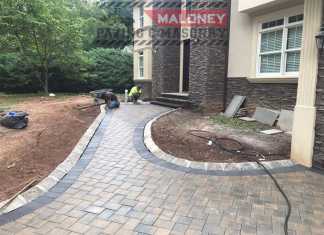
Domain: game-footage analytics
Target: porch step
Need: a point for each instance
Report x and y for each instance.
(173, 101)
(165, 104)
(182, 96)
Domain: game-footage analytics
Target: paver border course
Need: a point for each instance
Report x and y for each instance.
(62, 177)
(148, 149)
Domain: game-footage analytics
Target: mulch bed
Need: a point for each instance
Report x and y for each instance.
(171, 134)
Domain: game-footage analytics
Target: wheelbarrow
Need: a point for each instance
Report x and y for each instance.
(97, 94)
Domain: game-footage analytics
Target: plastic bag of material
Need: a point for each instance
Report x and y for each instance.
(114, 104)
(14, 120)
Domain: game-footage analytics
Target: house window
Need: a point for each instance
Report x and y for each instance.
(280, 46)
(141, 65)
(141, 17)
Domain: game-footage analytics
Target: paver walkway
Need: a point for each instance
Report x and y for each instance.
(122, 193)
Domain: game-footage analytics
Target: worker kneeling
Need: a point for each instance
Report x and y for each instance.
(135, 93)
(111, 100)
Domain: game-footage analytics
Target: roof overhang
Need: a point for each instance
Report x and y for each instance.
(262, 6)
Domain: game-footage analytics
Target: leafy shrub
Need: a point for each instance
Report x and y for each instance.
(110, 68)
(97, 69)
(16, 75)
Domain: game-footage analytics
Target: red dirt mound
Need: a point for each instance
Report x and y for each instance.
(55, 127)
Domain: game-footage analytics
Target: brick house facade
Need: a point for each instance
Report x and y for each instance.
(268, 53)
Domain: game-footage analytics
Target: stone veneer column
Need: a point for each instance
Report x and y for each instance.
(166, 53)
(165, 60)
(207, 65)
(305, 111)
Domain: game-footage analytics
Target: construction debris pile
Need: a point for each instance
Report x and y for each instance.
(14, 120)
(282, 120)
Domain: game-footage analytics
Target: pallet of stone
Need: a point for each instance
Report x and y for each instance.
(272, 132)
(242, 113)
(235, 105)
(266, 116)
(286, 120)
(247, 119)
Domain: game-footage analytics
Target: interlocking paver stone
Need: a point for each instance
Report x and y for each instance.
(95, 209)
(123, 191)
(146, 229)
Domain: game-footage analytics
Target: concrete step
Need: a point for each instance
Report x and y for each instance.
(173, 100)
(165, 104)
(175, 96)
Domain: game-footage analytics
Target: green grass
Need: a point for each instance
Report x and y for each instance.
(236, 123)
(7, 101)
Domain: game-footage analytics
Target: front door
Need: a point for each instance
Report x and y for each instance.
(186, 65)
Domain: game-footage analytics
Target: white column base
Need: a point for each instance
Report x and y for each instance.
(303, 135)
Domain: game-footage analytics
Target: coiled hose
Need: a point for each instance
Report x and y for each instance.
(251, 156)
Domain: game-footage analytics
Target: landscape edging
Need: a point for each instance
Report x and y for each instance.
(280, 165)
(60, 171)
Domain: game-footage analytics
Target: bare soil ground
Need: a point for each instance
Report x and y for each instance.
(55, 127)
(170, 133)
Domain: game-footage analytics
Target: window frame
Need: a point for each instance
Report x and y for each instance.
(284, 50)
(141, 57)
(141, 17)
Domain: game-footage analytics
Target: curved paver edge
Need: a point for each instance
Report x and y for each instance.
(60, 171)
(149, 150)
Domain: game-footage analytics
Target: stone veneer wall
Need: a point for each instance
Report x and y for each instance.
(165, 66)
(207, 69)
(207, 66)
(166, 55)
(146, 89)
(165, 69)
(319, 128)
(268, 95)
(319, 103)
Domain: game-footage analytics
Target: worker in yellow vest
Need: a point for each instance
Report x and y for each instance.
(135, 93)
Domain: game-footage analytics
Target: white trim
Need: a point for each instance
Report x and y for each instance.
(141, 56)
(181, 67)
(285, 27)
(274, 80)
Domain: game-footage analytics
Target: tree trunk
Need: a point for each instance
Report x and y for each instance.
(44, 75)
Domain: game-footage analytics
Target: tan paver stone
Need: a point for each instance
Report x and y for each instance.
(27, 231)
(193, 232)
(161, 231)
(131, 224)
(67, 223)
(122, 192)
(58, 231)
(100, 223)
(79, 228)
(124, 232)
(112, 228)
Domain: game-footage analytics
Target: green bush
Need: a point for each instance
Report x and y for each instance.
(98, 68)
(110, 68)
(16, 75)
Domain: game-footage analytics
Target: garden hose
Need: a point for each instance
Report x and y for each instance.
(249, 155)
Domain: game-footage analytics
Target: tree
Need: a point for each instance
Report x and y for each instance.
(111, 68)
(99, 17)
(44, 32)
(122, 12)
